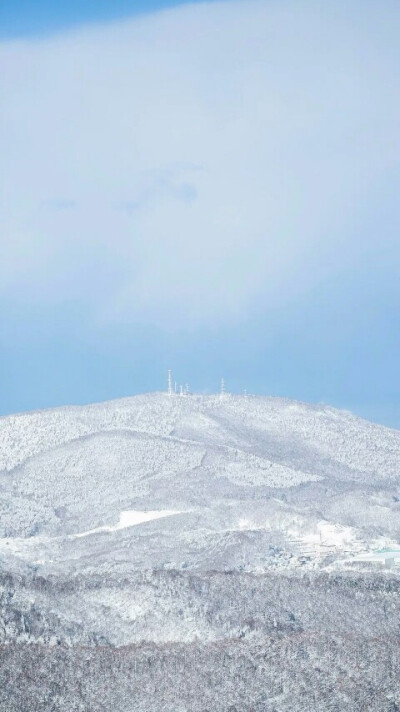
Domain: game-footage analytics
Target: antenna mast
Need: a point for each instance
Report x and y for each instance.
(169, 382)
(222, 391)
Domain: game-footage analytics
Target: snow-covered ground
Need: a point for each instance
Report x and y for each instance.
(131, 518)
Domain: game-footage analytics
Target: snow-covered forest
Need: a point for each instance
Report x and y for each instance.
(199, 553)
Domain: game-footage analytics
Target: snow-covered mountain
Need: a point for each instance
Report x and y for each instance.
(196, 520)
(312, 477)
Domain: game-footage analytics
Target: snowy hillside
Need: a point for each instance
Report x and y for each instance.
(310, 475)
(198, 520)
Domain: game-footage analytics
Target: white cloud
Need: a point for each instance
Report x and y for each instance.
(194, 165)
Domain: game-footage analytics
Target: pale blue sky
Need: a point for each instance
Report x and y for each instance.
(24, 18)
(212, 189)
